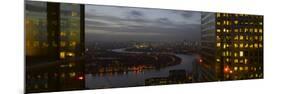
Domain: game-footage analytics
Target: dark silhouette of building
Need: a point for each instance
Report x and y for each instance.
(54, 47)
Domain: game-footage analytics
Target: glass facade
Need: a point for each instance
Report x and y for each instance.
(237, 42)
(54, 46)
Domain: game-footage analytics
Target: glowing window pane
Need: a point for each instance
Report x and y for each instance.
(241, 68)
(235, 30)
(241, 53)
(62, 55)
(235, 68)
(235, 60)
(218, 30)
(256, 45)
(236, 22)
(241, 37)
(218, 44)
(260, 30)
(241, 45)
(235, 45)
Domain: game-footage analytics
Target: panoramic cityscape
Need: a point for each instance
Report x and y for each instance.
(76, 46)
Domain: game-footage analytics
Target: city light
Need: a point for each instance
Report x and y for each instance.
(80, 78)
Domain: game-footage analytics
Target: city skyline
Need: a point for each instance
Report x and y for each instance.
(77, 47)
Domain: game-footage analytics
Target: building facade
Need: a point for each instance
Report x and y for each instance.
(232, 46)
(53, 30)
(54, 37)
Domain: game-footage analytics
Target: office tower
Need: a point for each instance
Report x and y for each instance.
(232, 46)
(54, 46)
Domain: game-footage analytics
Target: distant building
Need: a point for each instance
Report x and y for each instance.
(231, 46)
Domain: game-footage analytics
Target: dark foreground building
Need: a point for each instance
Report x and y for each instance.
(54, 37)
(231, 46)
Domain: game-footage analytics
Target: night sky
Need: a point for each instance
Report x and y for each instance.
(111, 23)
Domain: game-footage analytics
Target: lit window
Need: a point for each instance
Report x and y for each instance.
(236, 37)
(251, 45)
(246, 68)
(227, 23)
(251, 38)
(246, 61)
(251, 30)
(227, 30)
(73, 43)
(246, 45)
(236, 22)
(256, 37)
(256, 45)
(247, 37)
(235, 30)
(260, 30)
(246, 29)
(241, 53)
(227, 59)
(257, 75)
(260, 38)
(70, 54)
(218, 60)
(218, 23)
(235, 68)
(235, 55)
(256, 30)
(227, 54)
(241, 61)
(241, 45)
(218, 30)
(218, 44)
(241, 37)
(218, 14)
(235, 60)
(224, 46)
(235, 45)
(224, 30)
(62, 34)
(62, 55)
(241, 68)
(260, 45)
(218, 38)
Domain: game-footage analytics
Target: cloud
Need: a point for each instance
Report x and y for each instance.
(107, 23)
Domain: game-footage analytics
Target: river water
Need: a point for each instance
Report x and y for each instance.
(133, 79)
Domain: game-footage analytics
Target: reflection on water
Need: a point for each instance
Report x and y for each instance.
(147, 76)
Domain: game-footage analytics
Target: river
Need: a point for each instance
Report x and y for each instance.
(133, 79)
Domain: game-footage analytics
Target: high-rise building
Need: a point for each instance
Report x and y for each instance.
(231, 46)
(53, 30)
(54, 36)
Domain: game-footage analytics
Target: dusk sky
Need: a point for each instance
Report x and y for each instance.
(111, 23)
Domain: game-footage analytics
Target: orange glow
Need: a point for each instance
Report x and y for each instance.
(200, 60)
(80, 78)
(227, 70)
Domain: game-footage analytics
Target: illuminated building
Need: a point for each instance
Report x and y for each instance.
(54, 37)
(232, 46)
(54, 31)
